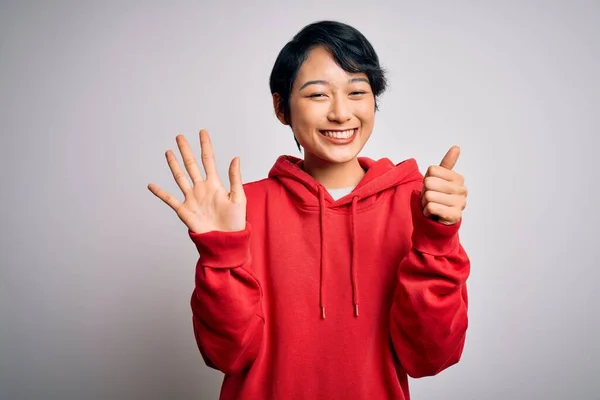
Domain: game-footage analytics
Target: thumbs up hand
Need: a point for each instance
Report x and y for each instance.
(444, 196)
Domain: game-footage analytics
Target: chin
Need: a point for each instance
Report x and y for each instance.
(338, 156)
(342, 159)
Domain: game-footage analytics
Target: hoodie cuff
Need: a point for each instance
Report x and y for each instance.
(220, 249)
(429, 236)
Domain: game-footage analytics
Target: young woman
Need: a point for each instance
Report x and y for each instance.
(337, 276)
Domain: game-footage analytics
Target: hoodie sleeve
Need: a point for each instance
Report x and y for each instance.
(227, 301)
(428, 320)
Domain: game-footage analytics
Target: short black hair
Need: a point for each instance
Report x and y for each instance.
(349, 48)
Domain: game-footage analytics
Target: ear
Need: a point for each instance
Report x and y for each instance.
(278, 108)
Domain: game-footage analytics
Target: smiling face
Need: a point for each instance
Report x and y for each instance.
(332, 111)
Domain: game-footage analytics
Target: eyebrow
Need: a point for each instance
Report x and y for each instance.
(322, 82)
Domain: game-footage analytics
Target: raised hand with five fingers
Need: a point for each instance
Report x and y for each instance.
(444, 196)
(207, 205)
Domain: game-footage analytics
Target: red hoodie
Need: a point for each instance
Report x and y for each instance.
(324, 299)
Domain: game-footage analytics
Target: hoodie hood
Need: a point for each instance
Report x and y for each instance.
(380, 176)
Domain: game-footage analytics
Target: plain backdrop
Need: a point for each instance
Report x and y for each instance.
(96, 273)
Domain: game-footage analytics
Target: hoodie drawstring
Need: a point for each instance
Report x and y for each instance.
(353, 271)
(353, 259)
(322, 261)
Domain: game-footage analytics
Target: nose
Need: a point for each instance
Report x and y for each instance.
(340, 110)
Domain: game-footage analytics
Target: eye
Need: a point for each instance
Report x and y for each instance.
(316, 95)
(358, 93)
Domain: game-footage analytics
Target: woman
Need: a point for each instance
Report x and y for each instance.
(337, 276)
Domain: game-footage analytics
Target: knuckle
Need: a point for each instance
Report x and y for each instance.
(459, 190)
(429, 207)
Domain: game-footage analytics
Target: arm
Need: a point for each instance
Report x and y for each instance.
(226, 301)
(428, 320)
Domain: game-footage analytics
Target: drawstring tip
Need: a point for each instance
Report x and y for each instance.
(356, 310)
(323, 312)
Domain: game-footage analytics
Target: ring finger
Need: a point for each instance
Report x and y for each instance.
(178, 174)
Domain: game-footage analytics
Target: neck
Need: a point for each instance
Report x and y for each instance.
(334, 175)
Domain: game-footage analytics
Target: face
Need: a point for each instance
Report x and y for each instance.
(332, 111)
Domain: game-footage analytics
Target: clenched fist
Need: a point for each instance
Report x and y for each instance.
(444, 196)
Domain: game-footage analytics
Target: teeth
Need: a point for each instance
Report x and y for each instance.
(339, 134)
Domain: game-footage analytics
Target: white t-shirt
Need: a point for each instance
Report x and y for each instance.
(339, 193)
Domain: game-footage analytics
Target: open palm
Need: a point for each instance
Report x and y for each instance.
(207, 205)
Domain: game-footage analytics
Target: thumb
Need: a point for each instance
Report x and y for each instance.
(450, 158)
(235, 181)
